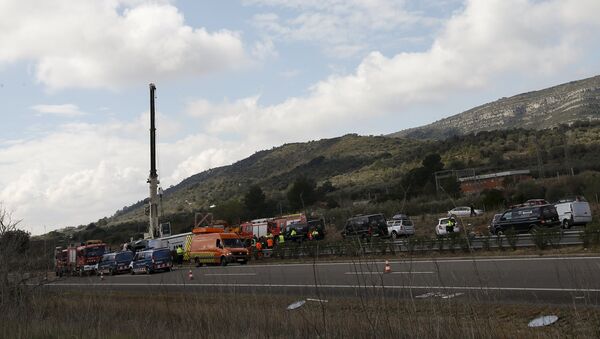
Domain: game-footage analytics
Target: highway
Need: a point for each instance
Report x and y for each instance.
(554, 280)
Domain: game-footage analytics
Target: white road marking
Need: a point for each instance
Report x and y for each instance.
(228, 274)
(366, 273)
(412, 262)
(393, 287)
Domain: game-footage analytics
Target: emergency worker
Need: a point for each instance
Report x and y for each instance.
(450, 225)
(180, 254)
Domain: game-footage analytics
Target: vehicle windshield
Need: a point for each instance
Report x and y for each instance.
(233, 243)
(124, 256)
(377, 218)
(162, 254)
(108, 257)
(94, 251)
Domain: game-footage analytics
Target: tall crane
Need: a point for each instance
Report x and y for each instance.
(153, 178)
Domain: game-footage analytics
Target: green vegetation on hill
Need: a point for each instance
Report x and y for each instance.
(363, 174)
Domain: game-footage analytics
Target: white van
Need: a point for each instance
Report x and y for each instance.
(575, 211)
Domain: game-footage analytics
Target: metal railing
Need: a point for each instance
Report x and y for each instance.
(454, 243)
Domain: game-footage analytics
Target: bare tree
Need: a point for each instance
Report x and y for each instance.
(10, 258)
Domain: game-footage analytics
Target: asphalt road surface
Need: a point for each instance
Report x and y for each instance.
(557, 280)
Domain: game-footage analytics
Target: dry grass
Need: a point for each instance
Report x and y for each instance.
(144, 314)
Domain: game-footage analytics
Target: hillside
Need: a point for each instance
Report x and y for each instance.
(368, 175)
(348, 161)
(553, 131)
(547, 108)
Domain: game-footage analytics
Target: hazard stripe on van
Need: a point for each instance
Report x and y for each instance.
(186, 248)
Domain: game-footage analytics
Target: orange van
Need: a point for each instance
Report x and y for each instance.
(217, 248)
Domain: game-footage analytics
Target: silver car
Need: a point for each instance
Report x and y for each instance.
(398, 227)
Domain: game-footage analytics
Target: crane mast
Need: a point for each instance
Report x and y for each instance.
(153, 228)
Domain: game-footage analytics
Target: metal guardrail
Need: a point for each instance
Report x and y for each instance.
(458, 242)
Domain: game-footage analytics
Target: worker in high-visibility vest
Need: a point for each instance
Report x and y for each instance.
(270, 242)
(281, 239)
(450, 225)
(258, 247)
(315, 234)
(293, 234)
(179, 254)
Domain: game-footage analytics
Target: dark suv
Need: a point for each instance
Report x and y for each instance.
(525, 219)
(366, 226)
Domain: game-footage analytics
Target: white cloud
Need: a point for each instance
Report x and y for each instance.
(96, 169)
(82, 172)
(342, 28)
(65, 110)
(489, 41)
(264, 50)
(108, 44)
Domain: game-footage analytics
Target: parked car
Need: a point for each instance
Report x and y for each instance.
(366, 226)
(493, 222)
(113, 263)
(400, 225)
(573, 211)
(526, 219)
(152, 260)
(463, 211)
(441, 228)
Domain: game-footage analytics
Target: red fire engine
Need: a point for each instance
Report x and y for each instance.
(79, 259)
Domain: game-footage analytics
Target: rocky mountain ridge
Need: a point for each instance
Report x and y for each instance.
(546, 108)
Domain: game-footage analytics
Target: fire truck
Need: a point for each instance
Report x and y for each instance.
(79, 259)
(261, 227)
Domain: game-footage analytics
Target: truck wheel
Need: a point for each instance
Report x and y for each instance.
(394, 235)
(223, 261)
(533, 229)
(566, 224)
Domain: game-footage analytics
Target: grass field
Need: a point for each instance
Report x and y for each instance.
(95, 314)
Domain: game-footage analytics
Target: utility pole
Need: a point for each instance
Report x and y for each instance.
(153, 178)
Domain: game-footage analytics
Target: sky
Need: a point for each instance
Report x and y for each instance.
(236, 77)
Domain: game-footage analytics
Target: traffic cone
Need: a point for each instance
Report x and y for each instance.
(190, 275)
(101, 275)
(388, 268)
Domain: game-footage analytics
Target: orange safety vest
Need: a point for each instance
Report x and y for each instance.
(270, 242)
(258, 246)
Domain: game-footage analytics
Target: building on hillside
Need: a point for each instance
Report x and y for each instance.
(500, 180)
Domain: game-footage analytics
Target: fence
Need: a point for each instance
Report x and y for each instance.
(541, 239)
